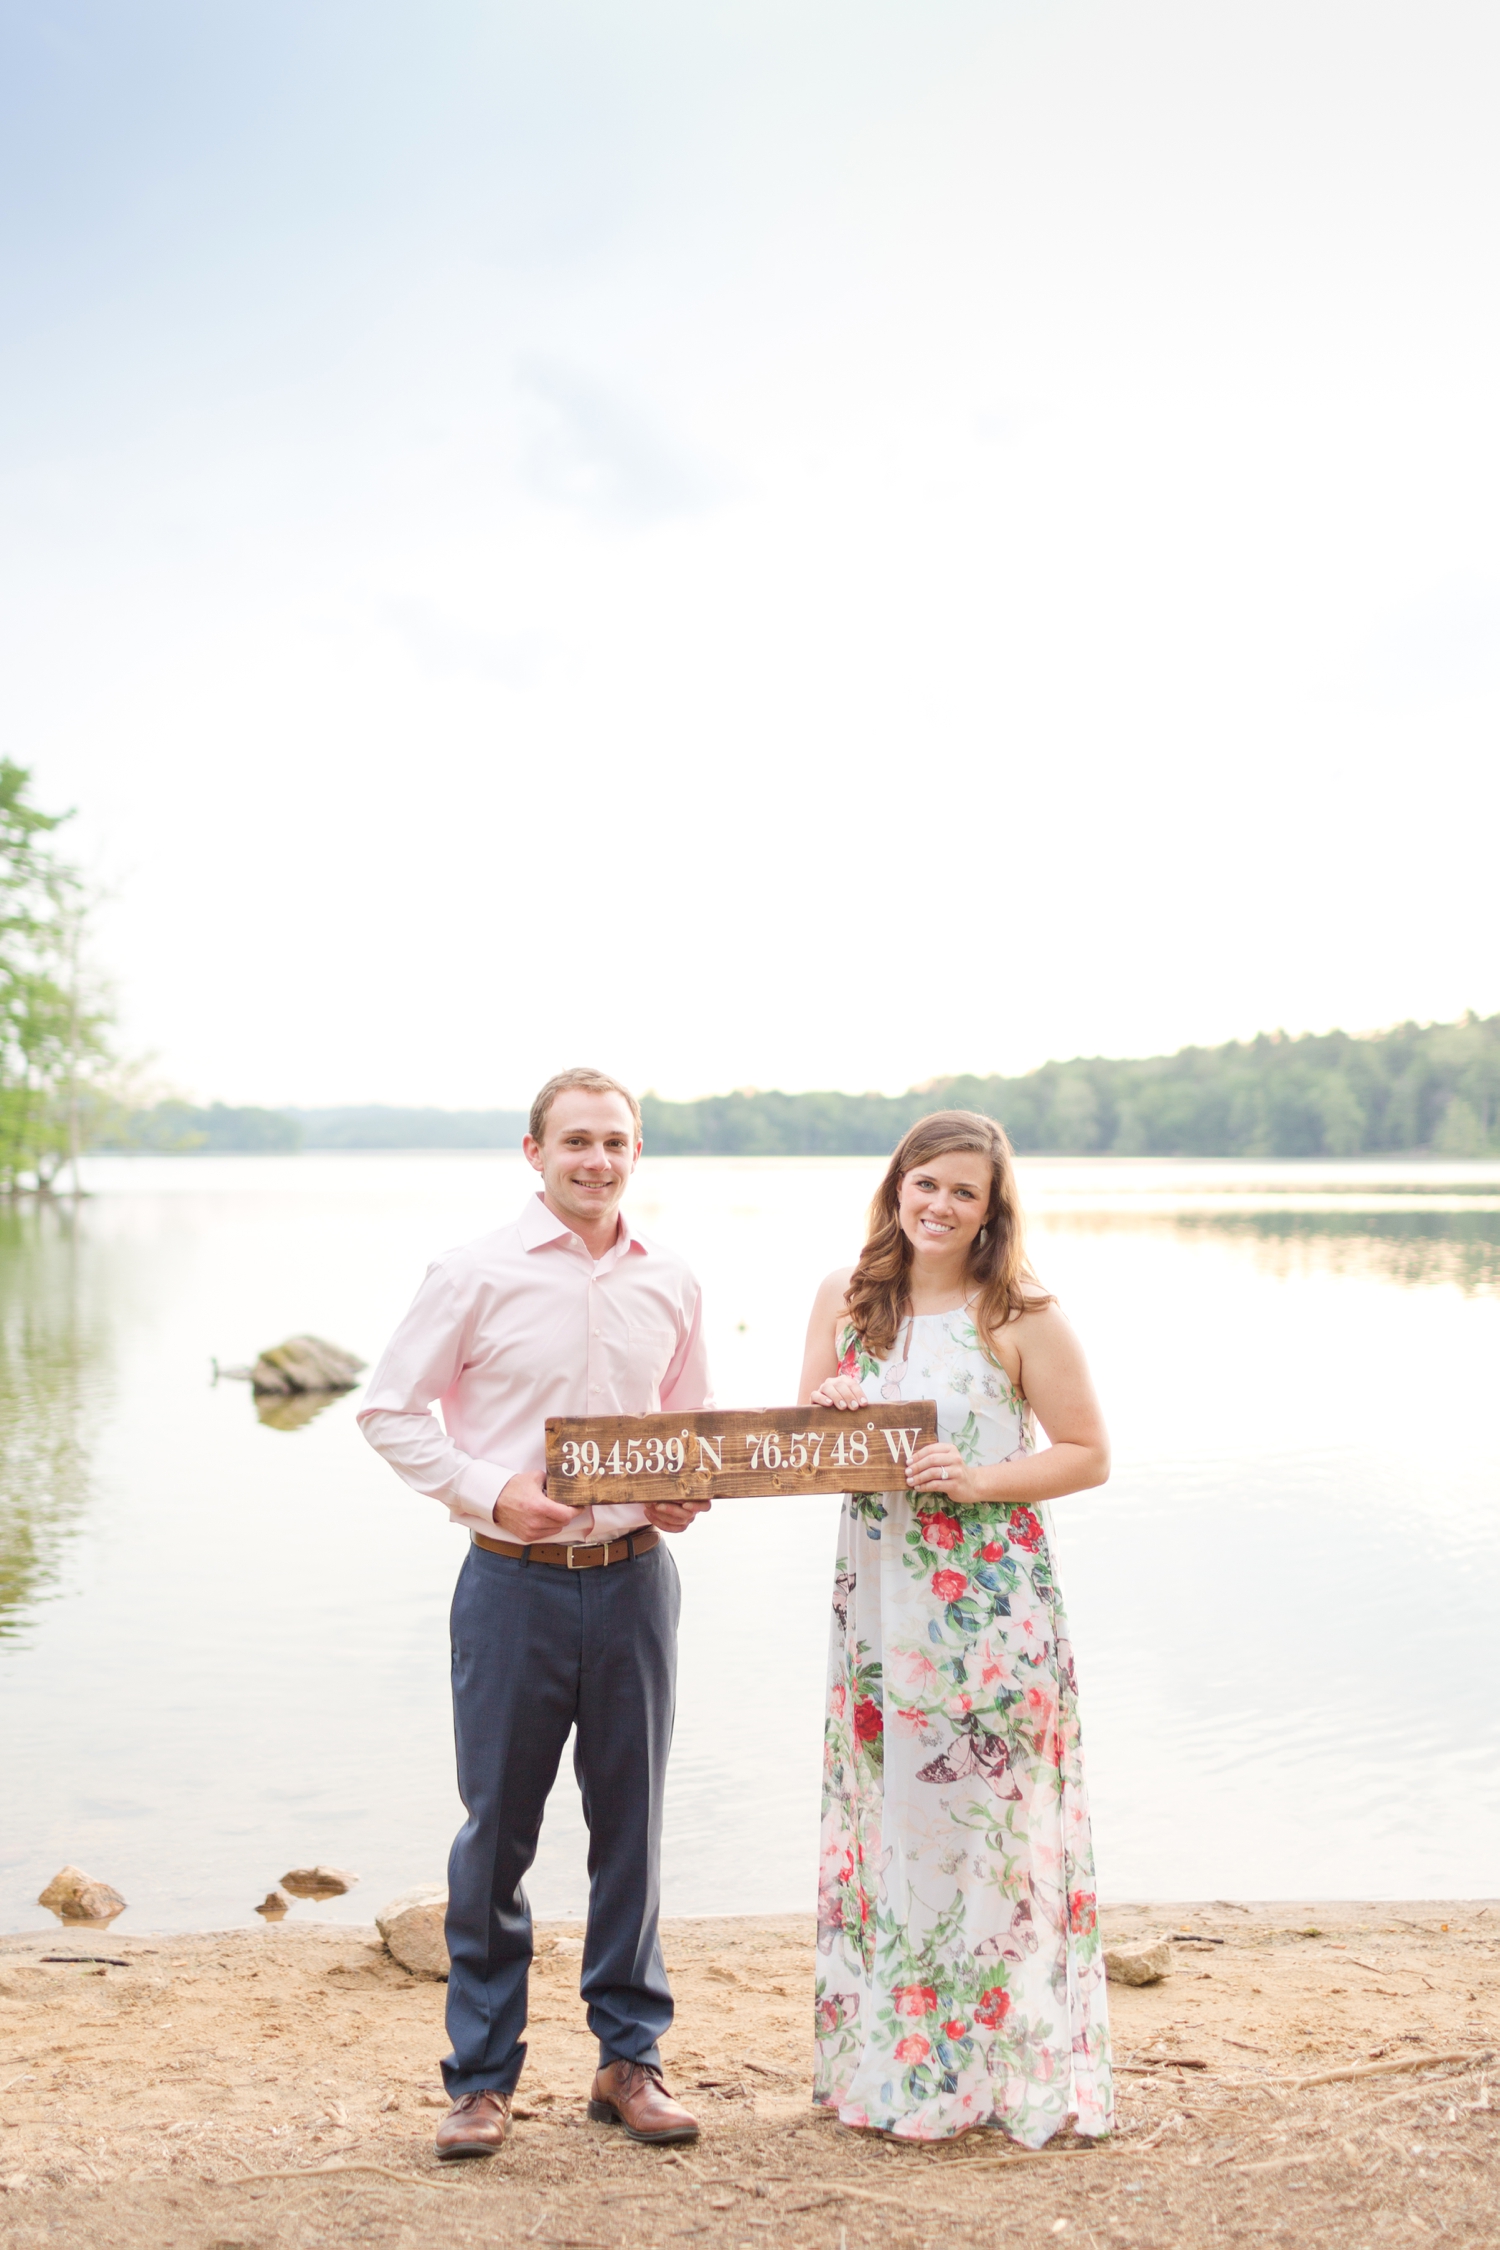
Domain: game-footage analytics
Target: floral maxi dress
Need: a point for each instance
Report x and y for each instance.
(960, 1971)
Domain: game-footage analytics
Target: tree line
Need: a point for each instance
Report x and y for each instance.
(1421, 1088)
(1429, 1088)
(55, 1053)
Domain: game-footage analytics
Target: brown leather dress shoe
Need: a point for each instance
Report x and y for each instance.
(632, 2094)
(476, 2125)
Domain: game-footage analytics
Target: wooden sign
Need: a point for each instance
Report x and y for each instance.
(606, 1457)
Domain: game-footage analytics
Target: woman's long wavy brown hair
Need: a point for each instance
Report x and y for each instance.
(1003, 1283)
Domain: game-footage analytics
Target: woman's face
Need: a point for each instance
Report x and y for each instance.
(943, 1205)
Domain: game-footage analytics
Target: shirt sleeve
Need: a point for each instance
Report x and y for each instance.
(685, 1389)
(420, 1363)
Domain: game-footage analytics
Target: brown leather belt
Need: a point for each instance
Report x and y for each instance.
(594, 1557)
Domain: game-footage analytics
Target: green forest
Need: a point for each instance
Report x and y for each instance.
(1431, 1088)
(1428, 1087)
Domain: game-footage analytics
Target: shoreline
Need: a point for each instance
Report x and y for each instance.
(246, 2086)
(1292, 1903)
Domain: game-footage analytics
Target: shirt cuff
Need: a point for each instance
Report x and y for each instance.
(479, 1486)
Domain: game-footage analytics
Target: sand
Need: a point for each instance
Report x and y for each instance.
(242, 2089)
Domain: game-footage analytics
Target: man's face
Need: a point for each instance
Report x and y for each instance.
(586, 1155)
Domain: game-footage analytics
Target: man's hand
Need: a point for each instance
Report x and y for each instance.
(675, 1515)
(525, 1513)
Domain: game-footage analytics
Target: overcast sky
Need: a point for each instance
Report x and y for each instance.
(802, 542)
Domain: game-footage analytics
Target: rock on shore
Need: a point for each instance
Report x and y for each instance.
(81, 1898)
(304, 1363)
(318, 1882)
(412, 1926)
(1138, 1964)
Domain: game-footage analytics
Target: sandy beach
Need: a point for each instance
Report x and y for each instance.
(1310, 2073)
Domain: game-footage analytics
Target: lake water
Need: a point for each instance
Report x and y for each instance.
(223, 1645)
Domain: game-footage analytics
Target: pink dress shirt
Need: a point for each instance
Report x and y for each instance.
(519, 1325)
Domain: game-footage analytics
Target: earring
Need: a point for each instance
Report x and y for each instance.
(984, 1236)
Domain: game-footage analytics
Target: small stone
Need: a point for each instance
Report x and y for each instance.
(275, 1905)
(1138, 1964)
(305, 1363)
(412, 1926)
(318, 1882)
(76, 1897)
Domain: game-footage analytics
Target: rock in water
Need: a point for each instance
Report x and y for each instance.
(275, 1906)
(1138, 1964)
(412, 1926)
(305, 1363)
(77, 1897)
(319, 1882)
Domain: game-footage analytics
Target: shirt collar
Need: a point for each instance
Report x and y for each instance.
(539, 1226)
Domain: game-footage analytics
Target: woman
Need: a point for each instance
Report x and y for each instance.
(964, 1982)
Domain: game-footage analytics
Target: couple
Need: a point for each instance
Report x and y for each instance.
(964, 1980)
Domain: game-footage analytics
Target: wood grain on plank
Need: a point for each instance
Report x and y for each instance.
(713, 1456)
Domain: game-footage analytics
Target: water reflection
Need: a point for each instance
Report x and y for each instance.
(1415, 1249)
(53, 1346)
(293, 1410)
(1418, 1249)
(254, 1676)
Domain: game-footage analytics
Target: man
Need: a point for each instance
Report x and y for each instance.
(562, 1617)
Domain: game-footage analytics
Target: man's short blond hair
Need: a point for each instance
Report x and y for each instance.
(583, 1081)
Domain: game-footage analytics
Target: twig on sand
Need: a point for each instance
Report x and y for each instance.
(1275, 2163)
(1385, 2069)
(337, 2171)
(832, 2191)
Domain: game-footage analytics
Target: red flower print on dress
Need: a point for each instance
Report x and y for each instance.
(1082, 1912)
(914, 1999)
(993, 2008)
(957, 1996)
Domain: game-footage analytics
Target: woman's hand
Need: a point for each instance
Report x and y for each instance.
(841, 1391)
(942, 1469)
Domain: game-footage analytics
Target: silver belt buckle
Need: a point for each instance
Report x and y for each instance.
(581, 1548)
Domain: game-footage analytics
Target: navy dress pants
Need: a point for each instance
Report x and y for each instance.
(539, 1651)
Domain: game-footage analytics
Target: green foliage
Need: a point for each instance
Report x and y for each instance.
(1433, 1087)
(53, 1030)
(174, 1128)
